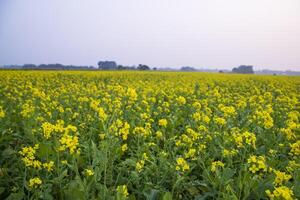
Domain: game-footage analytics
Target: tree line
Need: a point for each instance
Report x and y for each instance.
(112, 65)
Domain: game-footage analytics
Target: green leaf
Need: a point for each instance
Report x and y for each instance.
(207, 195)
(102, 191)
(167, 196)
(16, 196)
(227, 174)
(2, 189)
(47, 196)
(151, 195)
(8, 152)
(45, 150)
(74, 190)
(59, 179)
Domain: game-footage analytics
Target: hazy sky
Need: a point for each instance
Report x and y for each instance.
(160, 33)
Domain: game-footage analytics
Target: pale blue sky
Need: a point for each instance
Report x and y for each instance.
(160, 33)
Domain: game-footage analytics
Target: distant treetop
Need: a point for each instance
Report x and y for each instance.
(187, 68)
(107, 65)
(143, 67)
(243, 69)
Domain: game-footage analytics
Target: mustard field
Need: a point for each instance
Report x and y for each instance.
(148, 135)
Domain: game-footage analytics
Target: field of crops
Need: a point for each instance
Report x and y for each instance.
(148, 135)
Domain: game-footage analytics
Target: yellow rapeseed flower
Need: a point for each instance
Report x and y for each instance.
(215, 165)
(89, 172)
(139, 165)
(48, 166)
(2, 113)
(35, 182)
(182, 165)
(124, 147)
(281, 193)
(163, 122)
(181, 100)
(257, 164)
(69, 142)
(281, 177)
(122, 190)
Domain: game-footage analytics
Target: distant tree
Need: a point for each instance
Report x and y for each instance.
(29, 66)
(187, 69)
(132, 67)
(107, 65)
(243, 69)
(154, 68)
(56, 66)
(121, 67)
(143, 67)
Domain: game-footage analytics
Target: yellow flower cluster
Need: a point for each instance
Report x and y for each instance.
(159, 134)
(163, 122)
(191, 154)
(120, 129)
(49, 166)
(2, 113)
(281, 193)
(227, 110)
(49, 128)
(139, 165)
(181, 100)
(257, 164)
(292, 166)
(244, 138)
(182, 165)
(227, 152)
(295, 148)
(141, 131)
(281, 177)
(28, 157)
(98, 109)
(289, 133)
(89, 172)
(122, 190)
(124, 147)
(220, 121)
(35, 182)
(215, 165)
(27, 109)
(69, 142)
(132, 94)
(264, 118)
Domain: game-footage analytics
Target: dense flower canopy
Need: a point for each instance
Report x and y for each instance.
(107, 135)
